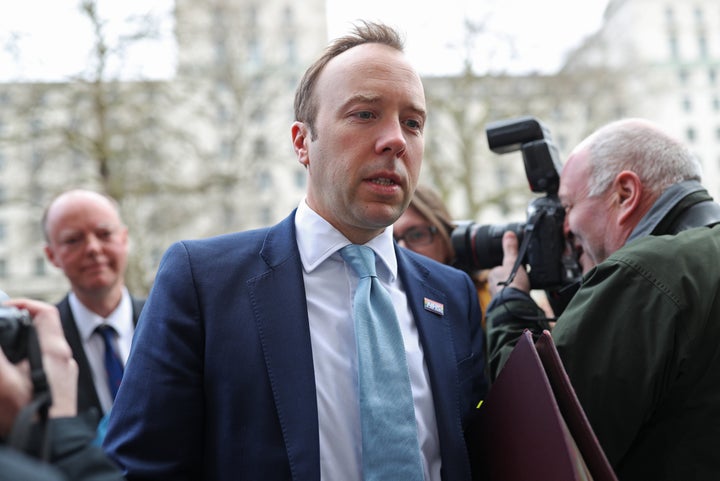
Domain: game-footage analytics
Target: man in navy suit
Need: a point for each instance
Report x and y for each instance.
(244, 364)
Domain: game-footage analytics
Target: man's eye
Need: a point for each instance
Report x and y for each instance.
(414, 124)
(365, 115)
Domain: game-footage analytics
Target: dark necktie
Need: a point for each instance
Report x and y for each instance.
(113, 365)
(390, 448)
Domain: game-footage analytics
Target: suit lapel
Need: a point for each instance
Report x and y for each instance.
(87, 395)
(137, 305)
(428, 304)
(436, 336)
(280, 309)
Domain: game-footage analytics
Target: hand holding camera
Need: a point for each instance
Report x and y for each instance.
(543, 257)
(18, 319)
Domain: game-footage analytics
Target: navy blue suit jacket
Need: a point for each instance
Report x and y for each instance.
(220, 382)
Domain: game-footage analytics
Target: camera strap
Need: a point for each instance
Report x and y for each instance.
(529, 227)
(36, 412)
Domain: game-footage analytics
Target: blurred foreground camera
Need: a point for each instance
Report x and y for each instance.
(550, 260)
(15, 325)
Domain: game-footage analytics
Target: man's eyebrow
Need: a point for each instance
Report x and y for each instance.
(419, 111)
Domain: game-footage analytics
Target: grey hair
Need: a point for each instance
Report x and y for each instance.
(641, 147)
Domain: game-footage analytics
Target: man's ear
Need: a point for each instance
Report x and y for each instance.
(300, 140)
(50, 253)
(628, 191)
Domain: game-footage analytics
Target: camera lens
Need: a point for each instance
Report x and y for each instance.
(480, 246)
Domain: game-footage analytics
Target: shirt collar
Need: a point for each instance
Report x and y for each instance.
(317, 240)
(87, 321)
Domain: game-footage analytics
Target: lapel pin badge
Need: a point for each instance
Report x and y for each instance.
(434, 306)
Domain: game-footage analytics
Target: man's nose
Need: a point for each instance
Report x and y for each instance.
(393, 138)
(92, 243)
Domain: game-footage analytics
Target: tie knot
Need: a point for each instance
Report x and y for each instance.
(360, 258)
(106, 331)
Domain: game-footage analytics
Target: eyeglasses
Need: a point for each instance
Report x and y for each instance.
(418, 236)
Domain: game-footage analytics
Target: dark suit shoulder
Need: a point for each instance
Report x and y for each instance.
(430, 267)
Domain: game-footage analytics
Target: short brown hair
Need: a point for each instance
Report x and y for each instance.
(306, 106)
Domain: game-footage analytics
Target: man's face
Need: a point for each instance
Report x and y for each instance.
(588, 220)
(88, 242)
(364, 162)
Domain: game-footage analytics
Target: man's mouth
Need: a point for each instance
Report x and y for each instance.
(383, 181)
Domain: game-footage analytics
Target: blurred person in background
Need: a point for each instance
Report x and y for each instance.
(87, 240)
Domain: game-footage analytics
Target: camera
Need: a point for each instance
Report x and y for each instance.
(15, 326)
(550, 260)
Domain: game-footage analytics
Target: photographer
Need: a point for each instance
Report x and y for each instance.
(71, 453)
(639, 339)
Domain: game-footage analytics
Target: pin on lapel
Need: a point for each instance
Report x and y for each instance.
(434, 306)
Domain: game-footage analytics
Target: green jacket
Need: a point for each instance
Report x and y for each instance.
(641, 344)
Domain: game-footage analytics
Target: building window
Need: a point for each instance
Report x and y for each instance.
(712, 76)
(687, 104)
(260, 147)
(254, 52)
(300, 178)
(227, 150)
(669, 15)
(562, 142)
(3, 232)
(264, 181)
(690, 134)
(3, 269)
(40, 268)
(265, 215)
(673, 45)
(291, 51)
(716, 104)
(698, 16)
(220, 53)
(258, 114)
(683, 76)
(717, 133)
(702, 46)
(288, 16)
(252, 15)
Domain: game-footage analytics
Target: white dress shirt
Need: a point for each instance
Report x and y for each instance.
(330, 285)
(121, 319)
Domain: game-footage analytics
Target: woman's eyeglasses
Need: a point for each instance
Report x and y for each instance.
(418, 236)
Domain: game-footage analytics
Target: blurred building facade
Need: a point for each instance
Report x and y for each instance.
(209, 151)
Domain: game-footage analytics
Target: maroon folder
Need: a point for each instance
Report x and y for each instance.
(533, 425)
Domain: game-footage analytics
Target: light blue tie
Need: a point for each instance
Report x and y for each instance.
(390, 448)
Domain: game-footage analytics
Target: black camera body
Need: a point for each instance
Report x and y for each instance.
(15, 326)
(549, 264)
